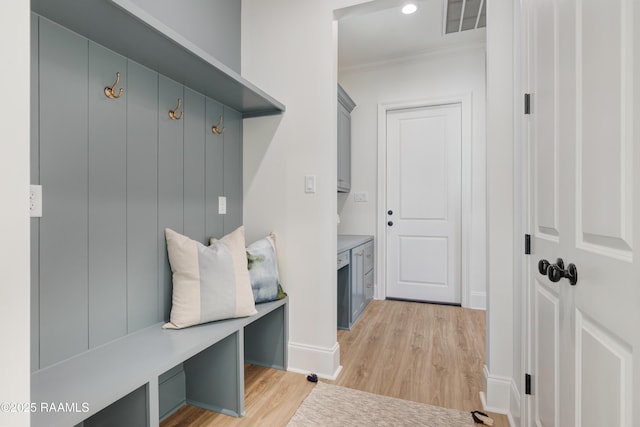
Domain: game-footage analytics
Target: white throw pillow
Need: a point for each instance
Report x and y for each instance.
(208, 282)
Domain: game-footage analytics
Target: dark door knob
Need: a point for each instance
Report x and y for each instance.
(389, 212)
(390, 223)
(571, 273)
(556, 271)
(543, 266)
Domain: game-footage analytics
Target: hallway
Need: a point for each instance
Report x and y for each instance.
(421, 352)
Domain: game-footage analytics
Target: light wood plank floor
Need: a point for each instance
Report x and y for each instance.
(422, 352)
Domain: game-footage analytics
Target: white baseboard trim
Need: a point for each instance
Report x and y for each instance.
(478, 300)
(324, 362)
(498, 396)
(514, 407)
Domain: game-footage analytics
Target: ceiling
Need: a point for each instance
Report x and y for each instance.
(377, 32)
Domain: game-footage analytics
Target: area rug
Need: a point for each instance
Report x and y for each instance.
(329, 405)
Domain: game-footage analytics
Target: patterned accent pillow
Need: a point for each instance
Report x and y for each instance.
(263, 270)
(209, 283)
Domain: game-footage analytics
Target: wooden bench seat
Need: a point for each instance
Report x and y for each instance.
(213, 356)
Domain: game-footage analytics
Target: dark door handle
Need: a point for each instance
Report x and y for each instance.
(390, 223)
(543, 266)
(389, 212)
(556, 271)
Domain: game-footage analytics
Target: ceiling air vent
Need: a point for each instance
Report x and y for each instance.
(465, 15)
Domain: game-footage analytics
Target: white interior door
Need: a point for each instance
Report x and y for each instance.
(424, 203)
(584, 342)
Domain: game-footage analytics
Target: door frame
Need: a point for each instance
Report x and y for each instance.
(466, 122)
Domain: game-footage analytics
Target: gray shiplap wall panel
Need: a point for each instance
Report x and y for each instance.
(214, 174)
(132, 408)
(172, 393)
(107, 198)
(63, 173)
(115, 173)
(35, 179)
(170, 181)
(232, 169)
(194, 163)
(142, 197)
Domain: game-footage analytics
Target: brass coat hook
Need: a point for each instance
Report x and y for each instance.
(172, 113)
(110, 91)
(217, 129)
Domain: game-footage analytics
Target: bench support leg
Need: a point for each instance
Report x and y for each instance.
(152, 399)
(266, 340)
(215, 377)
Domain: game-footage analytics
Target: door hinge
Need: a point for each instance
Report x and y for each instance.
(527, 244)
(527, 384)
(527, 103)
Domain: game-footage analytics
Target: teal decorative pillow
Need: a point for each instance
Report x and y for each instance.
(209, 283)
(263, 270)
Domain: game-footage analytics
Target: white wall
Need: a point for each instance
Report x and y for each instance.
(15, 303)
(289, 50)
(520, 216)
(435, 76)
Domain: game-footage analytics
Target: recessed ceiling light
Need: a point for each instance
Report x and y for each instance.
(409, 8)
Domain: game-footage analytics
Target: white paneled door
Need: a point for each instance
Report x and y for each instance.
(584, 204)
(424, 203)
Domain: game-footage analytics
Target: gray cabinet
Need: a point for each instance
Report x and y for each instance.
(361, 279)
(355, 278)
(345, 106)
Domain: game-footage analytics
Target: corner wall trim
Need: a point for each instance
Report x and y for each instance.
(498, 395)
(325, 362)
(478, 300)
(515, 414)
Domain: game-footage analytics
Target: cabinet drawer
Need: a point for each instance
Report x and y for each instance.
(343, 259)
(368, 256)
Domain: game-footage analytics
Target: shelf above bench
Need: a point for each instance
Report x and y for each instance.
(127, 29)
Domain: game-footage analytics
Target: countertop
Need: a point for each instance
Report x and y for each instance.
(350, 241)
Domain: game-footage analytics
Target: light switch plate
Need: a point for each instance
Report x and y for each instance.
(310, 184)
(35, 201)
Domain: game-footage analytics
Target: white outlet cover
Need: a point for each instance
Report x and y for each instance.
(361, 197)
(35, 201)
(222, 205)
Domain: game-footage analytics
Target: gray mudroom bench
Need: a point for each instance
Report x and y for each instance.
(119, 380)
(99, 357)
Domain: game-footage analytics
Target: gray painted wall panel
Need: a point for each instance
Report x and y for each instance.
(115, 173)
(35, 179)
(232, 169)
(214, 174)
(172, 394)
(131, 410)
(194, 163)
(212, 25)
(63, 173)
(170, 181)
(142, 197)
(107, 198)
(215, 376)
